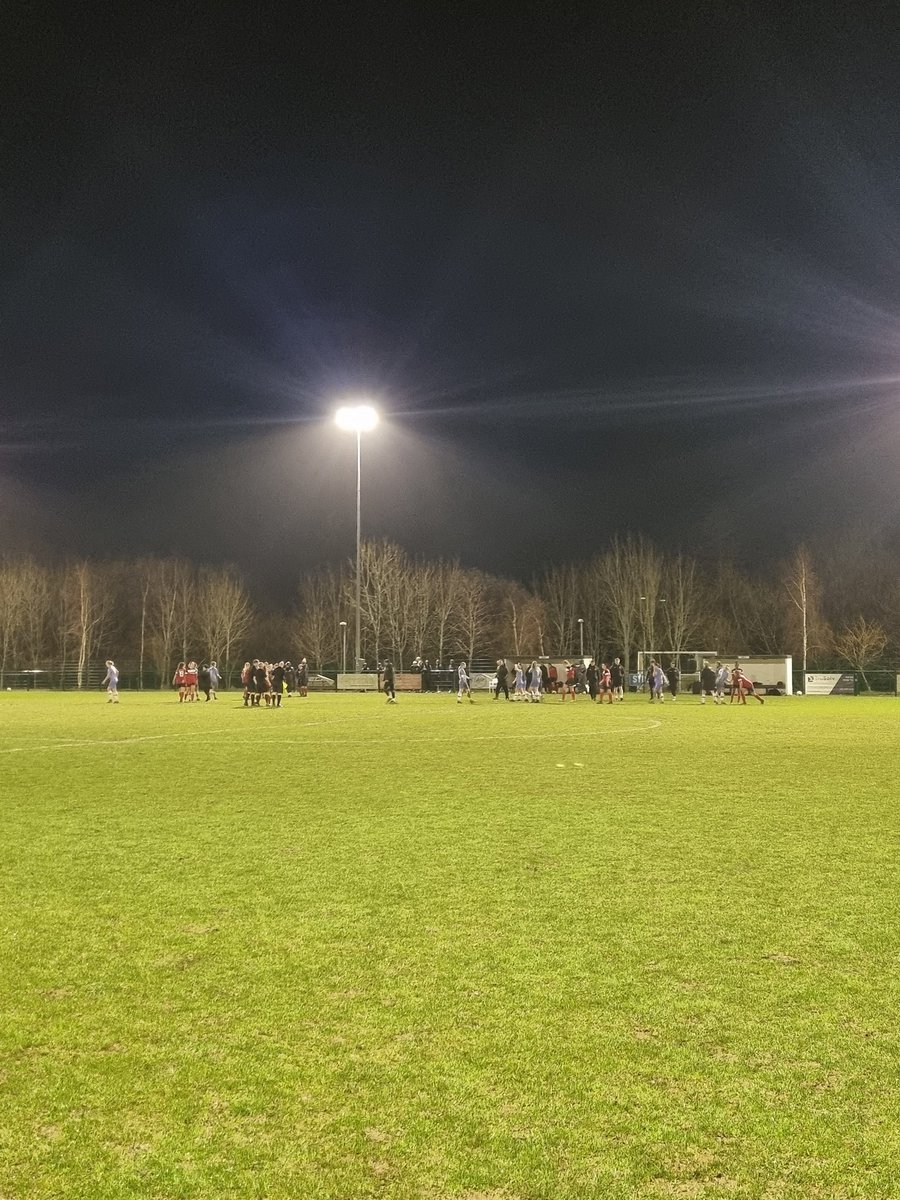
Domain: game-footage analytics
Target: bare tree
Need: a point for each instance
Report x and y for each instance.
(593, 606)
(144, 572)
(522, 629)
(803, 591)
(446, 586)
(13, 605)
(766, 618)
(558, 589)
(398, 581)
(318, 621)
(420, 605)
(861, 645)
(473, 612)
(730, 599)
(624, 578)
(222, 613)
(380, 564)
(747, 614)
(91, 604)
(185, 595)
(685, 606)
(36, 585)
(857, 574)
(168, 612)
(516, 605)
(648, 570)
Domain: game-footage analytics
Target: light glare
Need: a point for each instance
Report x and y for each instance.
(358, 418)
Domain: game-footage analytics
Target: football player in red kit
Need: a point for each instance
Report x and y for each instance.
(606, 687)
(191, 675)
(742, 687)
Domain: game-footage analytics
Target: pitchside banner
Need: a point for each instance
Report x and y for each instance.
(357, 683)
(408, 681)
(831, 684)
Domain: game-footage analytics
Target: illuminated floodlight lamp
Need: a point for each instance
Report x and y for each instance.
(356, 418)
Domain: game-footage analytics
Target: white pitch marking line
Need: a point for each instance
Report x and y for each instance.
(648, 727)
(75, 743)
(525, 736)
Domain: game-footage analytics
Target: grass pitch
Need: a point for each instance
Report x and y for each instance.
(486, 952)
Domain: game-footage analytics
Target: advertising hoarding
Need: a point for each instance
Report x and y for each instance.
(362, 682)
(831, 683)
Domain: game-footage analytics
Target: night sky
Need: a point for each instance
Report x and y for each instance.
(598, 272)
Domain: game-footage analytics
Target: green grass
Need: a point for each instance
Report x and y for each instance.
(488, 952)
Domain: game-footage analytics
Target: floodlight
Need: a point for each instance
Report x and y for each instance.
(357, 418)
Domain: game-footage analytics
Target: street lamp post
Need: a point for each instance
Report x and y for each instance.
(581, 635)
(358, 419)
(344, 647)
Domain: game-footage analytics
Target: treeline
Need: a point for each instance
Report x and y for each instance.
(628, 597)
(840, 608)
(146, 613)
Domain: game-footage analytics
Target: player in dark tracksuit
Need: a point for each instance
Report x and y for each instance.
(259, 682)
(277, 684)
(707, 681)
(592, 677)
(502, 679)
(387, 683)
(673, 675)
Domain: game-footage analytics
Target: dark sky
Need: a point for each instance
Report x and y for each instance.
(600, 272)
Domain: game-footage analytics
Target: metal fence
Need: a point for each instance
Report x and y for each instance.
(57, 678)
(65, 679)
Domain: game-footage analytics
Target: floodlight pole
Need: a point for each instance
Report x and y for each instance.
(581, 635)
(358, 419)
(358, 527)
